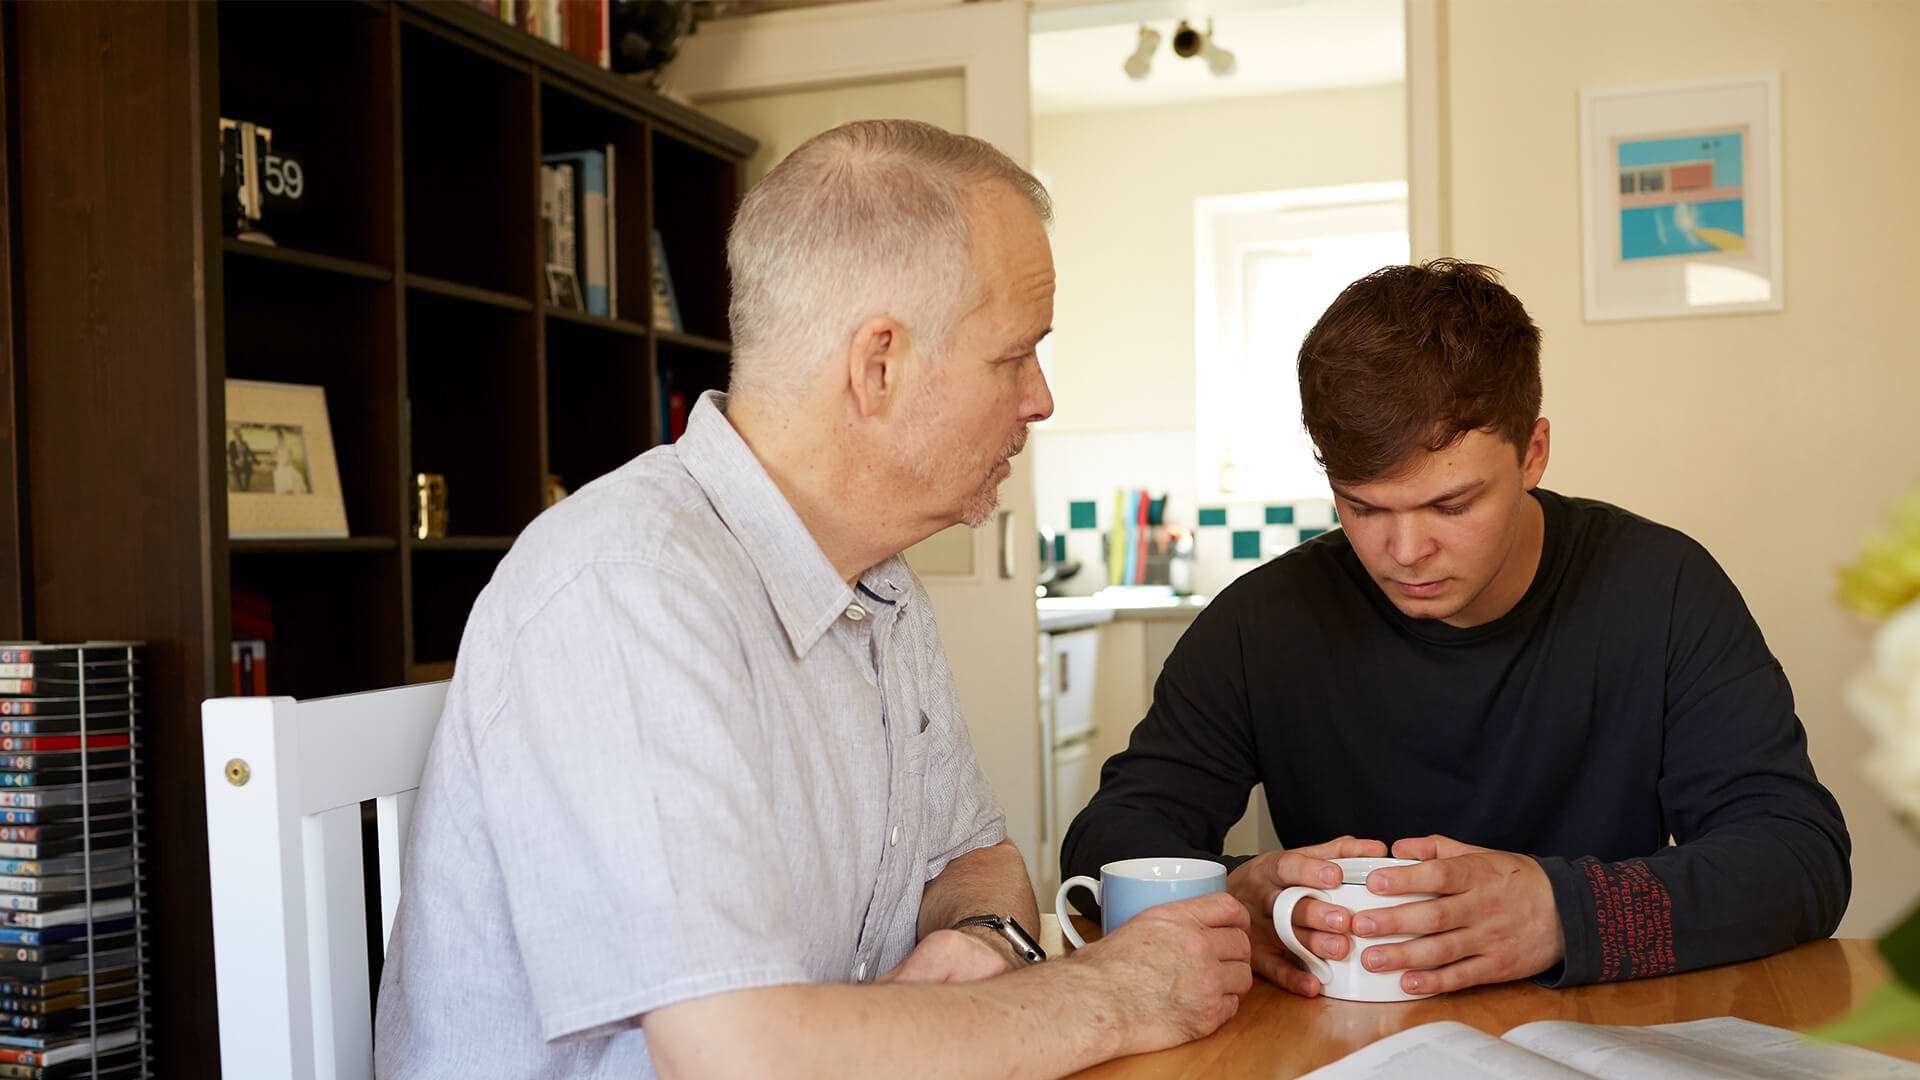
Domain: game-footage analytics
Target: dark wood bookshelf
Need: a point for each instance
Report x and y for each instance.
(292, 257)
(470, 293)
(322, 546)
(695, 341)
(408, 285)
(463, 543)
(598, 322)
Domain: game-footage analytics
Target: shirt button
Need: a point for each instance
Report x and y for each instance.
(893, 837)
(856, 612)
(860, 973)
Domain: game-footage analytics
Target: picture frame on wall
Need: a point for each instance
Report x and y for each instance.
(1680, 185)
(283, 480)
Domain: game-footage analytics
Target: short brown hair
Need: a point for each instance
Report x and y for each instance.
(1414, 357)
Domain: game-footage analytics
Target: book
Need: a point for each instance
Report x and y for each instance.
(62, 814)
(58, 901)
(34, 652)
(101, 840)
(613, 248)
(107, 945)
(25, 935)
(36, 778)
(73, 830)
(121, 1064)
(250, 668)
(51, 1051)
(74, 915)
(112, 859)
(107, 739)
(666, 303)
(76, 964)
(1566, 1050)
(590, 222)
(64, 795)
(68, 708)
(16, 990)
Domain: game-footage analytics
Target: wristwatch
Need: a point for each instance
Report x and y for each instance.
(1023, 944)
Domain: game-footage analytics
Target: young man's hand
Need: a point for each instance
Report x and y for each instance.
(1494, 920)
(1321, 927)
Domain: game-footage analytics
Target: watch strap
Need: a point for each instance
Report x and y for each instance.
(1024, 944)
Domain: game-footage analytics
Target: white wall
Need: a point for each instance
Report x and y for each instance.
(1124, 182)
(1776, 440)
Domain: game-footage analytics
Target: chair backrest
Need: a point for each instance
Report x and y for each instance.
(285, 783)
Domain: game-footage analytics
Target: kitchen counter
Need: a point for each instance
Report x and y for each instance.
(1058, 613)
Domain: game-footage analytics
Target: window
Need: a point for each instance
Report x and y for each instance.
(1266, 266)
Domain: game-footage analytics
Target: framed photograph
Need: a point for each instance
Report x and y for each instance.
(563, 289)
(1681, 190)
(282, 478)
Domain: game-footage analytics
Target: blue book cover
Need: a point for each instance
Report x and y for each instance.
(17, 935)
(592, 222)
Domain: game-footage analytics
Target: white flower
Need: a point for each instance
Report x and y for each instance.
(1886, 698)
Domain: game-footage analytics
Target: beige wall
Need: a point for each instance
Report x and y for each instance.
(1776, 440)
(1124, 182)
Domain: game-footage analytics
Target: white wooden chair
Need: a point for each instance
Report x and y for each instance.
(285, 780)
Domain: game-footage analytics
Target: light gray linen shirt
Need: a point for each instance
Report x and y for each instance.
(679, 757)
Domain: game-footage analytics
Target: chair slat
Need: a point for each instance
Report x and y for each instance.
(337, 945)
(395, 816)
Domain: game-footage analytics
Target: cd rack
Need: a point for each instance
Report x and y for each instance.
(75, 1000)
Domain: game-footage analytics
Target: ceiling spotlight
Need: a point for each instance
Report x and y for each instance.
(1219, 60)
(1142, 59)
(1186, 41)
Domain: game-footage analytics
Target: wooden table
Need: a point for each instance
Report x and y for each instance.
(1276, 1034)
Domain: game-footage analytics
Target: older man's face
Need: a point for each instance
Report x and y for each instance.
(972, 411)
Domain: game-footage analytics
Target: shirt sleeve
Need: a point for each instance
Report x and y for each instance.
(623, 805)
(1184, 778)
(1760, 862)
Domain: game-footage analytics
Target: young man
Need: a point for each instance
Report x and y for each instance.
(1529, 692)
(702, 802)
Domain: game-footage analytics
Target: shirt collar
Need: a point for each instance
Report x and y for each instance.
(807, 594)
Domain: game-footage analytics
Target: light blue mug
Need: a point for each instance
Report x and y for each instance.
(1131, 886)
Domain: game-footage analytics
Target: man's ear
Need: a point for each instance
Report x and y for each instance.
(876, 364)
(1533, 465)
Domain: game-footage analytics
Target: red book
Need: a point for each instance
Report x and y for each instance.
(101, 741)
(1140, 564)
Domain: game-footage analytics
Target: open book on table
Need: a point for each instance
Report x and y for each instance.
(1563, 1050)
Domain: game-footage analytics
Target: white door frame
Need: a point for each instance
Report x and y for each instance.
(1428, 205)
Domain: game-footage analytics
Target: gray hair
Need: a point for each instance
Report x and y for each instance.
(869, 218)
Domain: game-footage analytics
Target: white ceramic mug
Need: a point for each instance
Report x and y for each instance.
(1346, 978)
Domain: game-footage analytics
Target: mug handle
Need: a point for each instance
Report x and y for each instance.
(1283, 906)
(1065, 913)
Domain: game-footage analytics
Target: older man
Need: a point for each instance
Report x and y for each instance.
(702, 801)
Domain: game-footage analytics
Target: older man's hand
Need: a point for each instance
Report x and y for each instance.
(1494, 919)
(950, 956)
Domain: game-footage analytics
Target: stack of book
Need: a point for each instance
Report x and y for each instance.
(73, 989)
(577, 224)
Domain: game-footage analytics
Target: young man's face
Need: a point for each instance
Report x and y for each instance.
(969, 417)
(1454, 535)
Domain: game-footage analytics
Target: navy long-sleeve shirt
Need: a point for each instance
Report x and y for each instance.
(1628, 698)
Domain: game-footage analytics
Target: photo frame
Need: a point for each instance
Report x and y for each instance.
(1680, 186)
(283, 480)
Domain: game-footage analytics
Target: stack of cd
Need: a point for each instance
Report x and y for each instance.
(73, 989)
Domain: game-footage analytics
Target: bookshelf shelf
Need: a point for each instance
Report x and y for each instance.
(464, 543)
(471, 293)
(597, 322)
(319, 546)
(695, 341)
(308, 259)
(408, 283)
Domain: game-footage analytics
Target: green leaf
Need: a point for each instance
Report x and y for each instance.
(1901, 947)
(1891, 1014)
